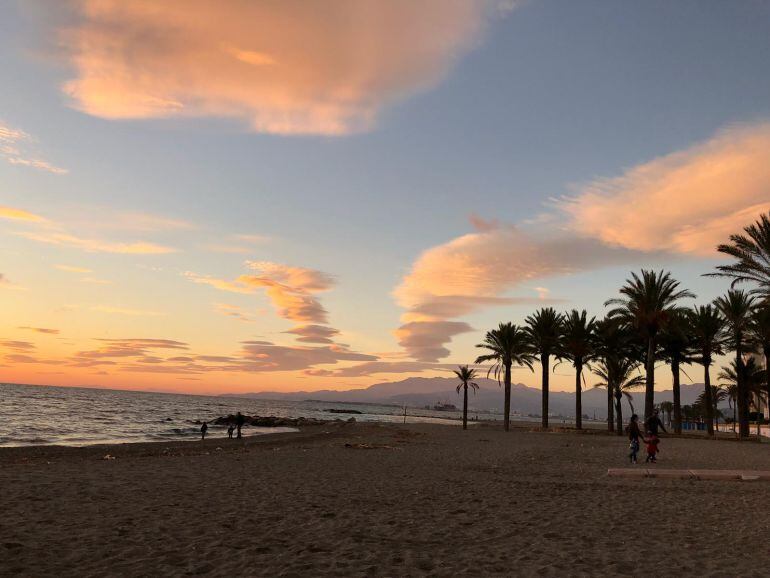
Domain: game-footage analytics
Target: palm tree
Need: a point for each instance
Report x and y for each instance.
(667, 408)
(508, 344)
(718, 395)
(676, 348)
(612, 339)
(646, 305)
(707, 326)
(752, 254)
(736, 308)
(578, 345)
(746, 374)
(760, 332)
(617, 375)
(465, 376)
(544, 331)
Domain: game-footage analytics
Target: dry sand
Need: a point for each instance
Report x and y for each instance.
(434, 501)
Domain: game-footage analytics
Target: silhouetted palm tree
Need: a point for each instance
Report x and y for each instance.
(613, 339)
(578, 345)
(465, 376)
(508, 344)
(707, 326)
(736, 308)
(760, 333)
(746, 374)
(752, 254)
(718, 395)
(617, 374)
(544, 329)
(676, 344)
(667, 408)
(646, 305)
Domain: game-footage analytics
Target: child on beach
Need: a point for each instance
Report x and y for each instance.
(652, 447)
(634, 437)
(204, 429)
(230, 430)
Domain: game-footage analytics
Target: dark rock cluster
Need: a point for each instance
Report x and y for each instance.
(273, 421)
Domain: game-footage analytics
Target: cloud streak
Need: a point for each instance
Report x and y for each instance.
(282, 67)
(15, 148)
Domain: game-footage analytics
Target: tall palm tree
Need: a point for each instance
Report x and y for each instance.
(760, 332)
(736, 308)
(676, 348)
(544, 329)
(466, 376)
(646, 304)
(508, 344)
(752, 254)
(617, 374)
(612, 339)
(578, 345)
(707, 326)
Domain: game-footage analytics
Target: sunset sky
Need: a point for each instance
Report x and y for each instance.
(232, 195)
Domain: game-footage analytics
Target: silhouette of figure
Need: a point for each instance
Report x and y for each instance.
(239, 421)
(204, 429)
(230, 430)
(634, 437)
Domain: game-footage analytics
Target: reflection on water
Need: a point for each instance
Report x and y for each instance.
(39, 415)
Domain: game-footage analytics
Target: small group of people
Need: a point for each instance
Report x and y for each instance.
(650, 437)
(231, 427)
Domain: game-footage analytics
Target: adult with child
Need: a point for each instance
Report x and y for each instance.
(635, 437)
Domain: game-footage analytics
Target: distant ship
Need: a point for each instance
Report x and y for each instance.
(444, 406)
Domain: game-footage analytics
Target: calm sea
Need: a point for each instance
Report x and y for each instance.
(44, 415)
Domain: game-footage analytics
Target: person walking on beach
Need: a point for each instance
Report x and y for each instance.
(239, 421)
(653, 423)
(634, 437)
(230, 430)
(204, 429)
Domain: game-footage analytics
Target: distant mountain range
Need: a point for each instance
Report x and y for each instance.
(422, 391)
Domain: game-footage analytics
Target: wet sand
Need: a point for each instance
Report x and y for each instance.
(420, 500)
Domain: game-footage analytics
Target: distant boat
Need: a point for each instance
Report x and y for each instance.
(444, 406)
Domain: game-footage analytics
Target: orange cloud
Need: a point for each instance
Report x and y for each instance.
(314, 333)
(96, 246)
(685, 202)
(19, 215)
(73, 269)
(40, 330)
(477, 270)
(288, 67)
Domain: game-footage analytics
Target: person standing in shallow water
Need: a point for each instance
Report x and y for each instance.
(239, 421)
(230, 430)
(204, 429)
(634, 437)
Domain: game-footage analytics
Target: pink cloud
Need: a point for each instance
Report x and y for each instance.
(685, 202)
(284, 67)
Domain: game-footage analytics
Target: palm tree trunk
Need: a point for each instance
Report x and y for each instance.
(649, 393)
(677, 397)
(610, 410)
(465, 406)
(767, 378)
(619, 410)
(578, 396)
(507, 409)
(544, 362)
(709, 399)
(743, 398)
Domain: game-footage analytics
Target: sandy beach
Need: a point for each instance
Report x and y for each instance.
(383, 500)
